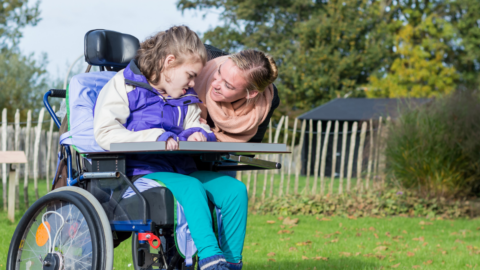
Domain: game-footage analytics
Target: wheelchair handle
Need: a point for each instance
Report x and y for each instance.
(58, 93)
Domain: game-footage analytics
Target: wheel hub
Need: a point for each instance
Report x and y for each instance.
(53, 261)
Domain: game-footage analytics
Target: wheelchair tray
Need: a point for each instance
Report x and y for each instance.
(195, 148)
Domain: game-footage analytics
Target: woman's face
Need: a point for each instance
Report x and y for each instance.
(228, 83)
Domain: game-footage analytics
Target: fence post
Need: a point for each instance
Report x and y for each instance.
(324, 158)
(298, 164)
(249, 177)
(49, 152)
(309, 157)
(292, 148)
(27, 154)
(381, 157)
(267, 157)
(342, 157)
(317, 157)
(370, 157)
(4, 166)
(275, 140)
(17, 166)
(38, 133)
(334, 155)
(353, 140)
(377, 146)
(360, 156)
(284, 156)
(255, 176)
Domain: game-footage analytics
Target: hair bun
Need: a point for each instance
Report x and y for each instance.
(274, 68)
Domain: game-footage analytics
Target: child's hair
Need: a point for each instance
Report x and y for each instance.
(259, 68)
(180, 41)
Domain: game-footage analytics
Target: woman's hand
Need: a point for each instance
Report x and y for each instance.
(197, 137)
(171, 144)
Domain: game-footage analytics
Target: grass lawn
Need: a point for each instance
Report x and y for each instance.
(334, 243)
(301, 184)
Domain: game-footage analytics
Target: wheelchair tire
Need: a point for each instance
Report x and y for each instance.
(67, 214)
(108, 255)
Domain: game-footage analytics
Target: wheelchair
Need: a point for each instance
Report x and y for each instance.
(75, 226)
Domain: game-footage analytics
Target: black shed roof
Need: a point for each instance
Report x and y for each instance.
(358, 109)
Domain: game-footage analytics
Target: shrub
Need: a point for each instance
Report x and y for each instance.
(379, 204)
(435, 148)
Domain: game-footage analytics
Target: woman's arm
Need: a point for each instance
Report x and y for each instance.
(262, 128)
(111, 113)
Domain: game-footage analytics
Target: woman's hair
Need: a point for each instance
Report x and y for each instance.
(259, 68)
(179, 41)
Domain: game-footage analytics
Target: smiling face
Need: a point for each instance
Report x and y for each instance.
(175, 80)
(229, 84)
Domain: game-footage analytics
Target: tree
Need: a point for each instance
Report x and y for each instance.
(324, 49)
(419, 70)
(22, 78)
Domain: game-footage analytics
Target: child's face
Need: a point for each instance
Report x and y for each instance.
(176, 80)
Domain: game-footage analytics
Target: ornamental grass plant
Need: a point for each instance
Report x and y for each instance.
(434, 149)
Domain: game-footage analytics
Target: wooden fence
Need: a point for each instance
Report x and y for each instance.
(309, 147)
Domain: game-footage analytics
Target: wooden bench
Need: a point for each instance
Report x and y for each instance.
(12, 157)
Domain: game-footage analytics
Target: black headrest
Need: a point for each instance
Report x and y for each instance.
(109, 48)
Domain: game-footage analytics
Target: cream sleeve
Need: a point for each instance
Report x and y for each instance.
(111, 113)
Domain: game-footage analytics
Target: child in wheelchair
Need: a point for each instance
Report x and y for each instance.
(153, 99)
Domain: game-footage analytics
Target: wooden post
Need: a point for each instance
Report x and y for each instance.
(381, 157)
(353, 140)
(264, 181)
(334, 155)
(49, 152)
(4, 166)
(284, 156)
(298, 165)
(309, 156)
(360, 156)
(324, 158)
(377, 146)
(342, 157)
(267, 157)
(38, 133)
(317, 157)
(292, 148)
(249, 177)
(254, 195)
(370, 157)
(275, 140)
(11, 157)
(17, 148)
(27, 154)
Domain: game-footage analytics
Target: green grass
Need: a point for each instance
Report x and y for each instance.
(348, 244)
(351, 244)
(301, 184)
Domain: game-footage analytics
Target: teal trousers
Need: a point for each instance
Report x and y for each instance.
(227, 193)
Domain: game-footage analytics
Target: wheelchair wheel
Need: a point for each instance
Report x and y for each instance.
(61, 230)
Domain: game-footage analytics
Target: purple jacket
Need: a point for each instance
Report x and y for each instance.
(148, 109)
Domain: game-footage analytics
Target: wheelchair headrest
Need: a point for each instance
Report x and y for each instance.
(109, 48)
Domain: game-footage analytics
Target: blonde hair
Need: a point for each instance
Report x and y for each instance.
(179, 41)
(259, 69)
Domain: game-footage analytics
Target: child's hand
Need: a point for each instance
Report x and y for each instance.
(171, 144)
(197, 137)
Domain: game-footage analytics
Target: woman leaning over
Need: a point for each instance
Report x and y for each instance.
(238, 100)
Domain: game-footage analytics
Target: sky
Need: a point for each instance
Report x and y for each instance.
(64, 23)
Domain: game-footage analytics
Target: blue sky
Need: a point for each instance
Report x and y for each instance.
(64, 23)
